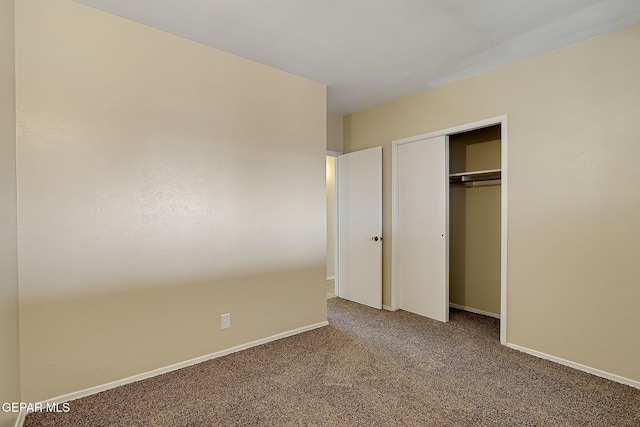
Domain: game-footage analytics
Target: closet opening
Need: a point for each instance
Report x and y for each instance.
(449, 221)
(475, 205)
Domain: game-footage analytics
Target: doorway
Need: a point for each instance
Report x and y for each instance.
(332, 225)
(474, 220)
(423, 277)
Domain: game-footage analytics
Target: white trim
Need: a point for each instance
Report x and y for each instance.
(336, 232)
(578, 366)
(504, 134)
(388, 308)
(474, 310)
(334, 153)
(331, 277)
(20, 419)
(395, 290)
(97, 389)
(456, 129)
(502, 121)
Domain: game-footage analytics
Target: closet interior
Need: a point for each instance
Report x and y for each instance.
(474, 220)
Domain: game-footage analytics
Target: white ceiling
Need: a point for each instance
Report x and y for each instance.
(369, 52)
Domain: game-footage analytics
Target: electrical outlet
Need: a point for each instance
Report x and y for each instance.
(225, 321)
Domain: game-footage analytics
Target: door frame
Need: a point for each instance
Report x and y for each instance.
(502, 121)
(336, 267)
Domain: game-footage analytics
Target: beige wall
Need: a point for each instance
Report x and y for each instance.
(573, 171)
(161, 184)
(474, 222)
(10, 347)
(334, 133)
(9, 329)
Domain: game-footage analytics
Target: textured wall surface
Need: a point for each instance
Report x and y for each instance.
(161, 184)
(10, 348)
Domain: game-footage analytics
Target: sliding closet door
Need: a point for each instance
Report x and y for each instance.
(422, 227)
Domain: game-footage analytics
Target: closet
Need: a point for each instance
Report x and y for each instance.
(448, 221)
(474, 220)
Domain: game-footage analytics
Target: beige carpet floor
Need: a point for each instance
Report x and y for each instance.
(368, 368)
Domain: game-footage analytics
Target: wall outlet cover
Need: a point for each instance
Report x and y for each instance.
(225, 321)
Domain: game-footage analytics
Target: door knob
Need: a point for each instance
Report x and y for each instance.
(376, 238)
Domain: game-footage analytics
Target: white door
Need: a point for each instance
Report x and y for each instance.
(360, 227)
(423, 227)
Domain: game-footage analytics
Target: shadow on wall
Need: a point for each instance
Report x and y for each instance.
(70, 344)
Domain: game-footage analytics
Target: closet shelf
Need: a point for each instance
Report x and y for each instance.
(474, 176)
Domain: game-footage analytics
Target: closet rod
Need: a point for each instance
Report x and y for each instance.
(478, 184)
(478, 176)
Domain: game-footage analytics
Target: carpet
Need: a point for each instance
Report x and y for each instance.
(367, 368)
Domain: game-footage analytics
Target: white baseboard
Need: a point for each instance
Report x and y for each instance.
(578, 366)
(473, 310)
(388, 308)
(20, 419)
(175, 366)
(331, 277)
